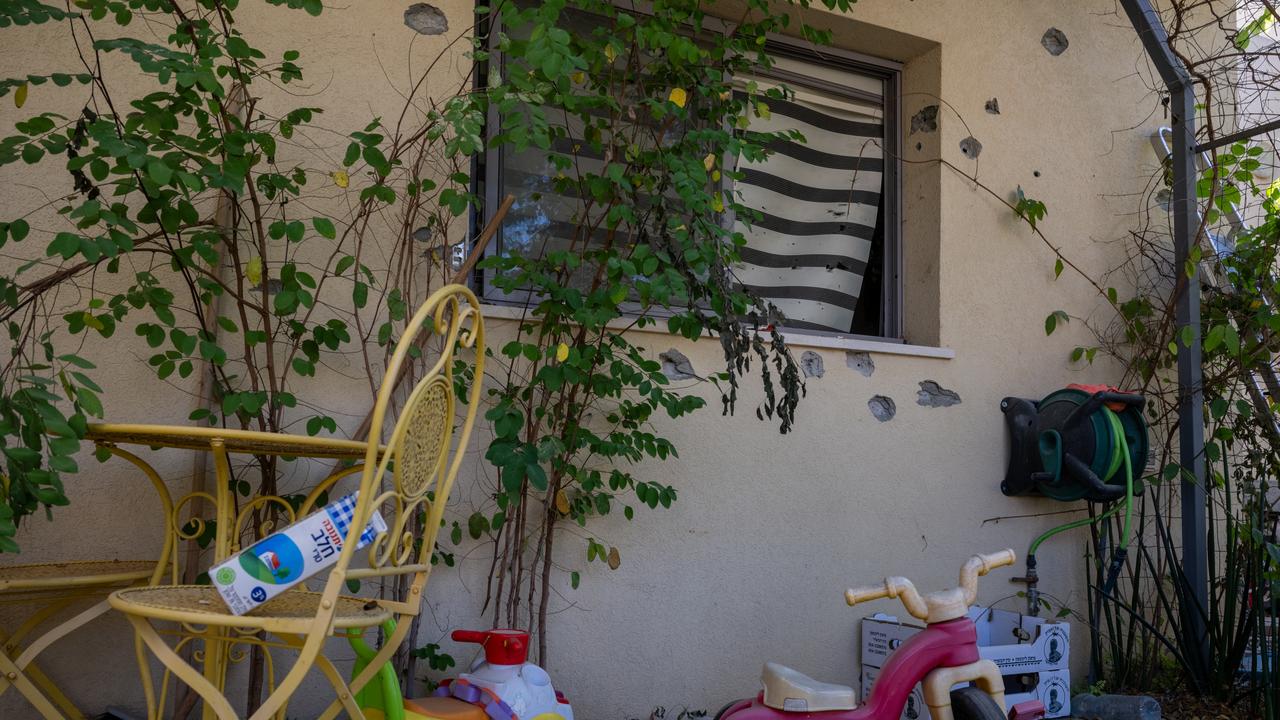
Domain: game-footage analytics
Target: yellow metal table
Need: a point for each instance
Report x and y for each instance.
(229, 514)
(222, 444)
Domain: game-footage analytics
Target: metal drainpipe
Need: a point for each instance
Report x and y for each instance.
(1186, 222)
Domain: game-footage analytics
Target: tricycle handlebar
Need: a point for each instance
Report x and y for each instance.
(939, 606)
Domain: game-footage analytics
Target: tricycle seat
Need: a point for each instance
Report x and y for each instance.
(793, 691)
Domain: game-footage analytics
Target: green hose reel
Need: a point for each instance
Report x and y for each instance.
(1067, 447)
(1079, 443)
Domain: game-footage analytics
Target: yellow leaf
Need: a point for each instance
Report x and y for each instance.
(762, 110)
(578, 78)
(717, 204)
(614, 558)
(726, 95)
(610, 54)
(341, 179)
(709, 161)
(715, 176)
(562, 502)
(678, 96)
(562, 353)
(20, 95)
(253, 270)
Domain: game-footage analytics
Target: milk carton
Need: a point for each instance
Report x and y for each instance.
(285, 558)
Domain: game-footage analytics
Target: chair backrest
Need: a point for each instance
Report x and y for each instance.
(167, 566)
(409, 476)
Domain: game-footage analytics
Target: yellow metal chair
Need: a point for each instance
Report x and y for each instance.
(52, 590)
(409, 478)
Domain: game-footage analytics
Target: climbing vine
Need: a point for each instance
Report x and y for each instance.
(640, 119)
(1229, 52)
(228, 235)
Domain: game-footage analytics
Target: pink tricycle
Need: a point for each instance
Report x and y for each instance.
(943, 655)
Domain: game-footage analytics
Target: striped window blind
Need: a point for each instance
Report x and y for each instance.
(820, 202)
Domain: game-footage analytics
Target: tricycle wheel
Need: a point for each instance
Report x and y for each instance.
(971, 703)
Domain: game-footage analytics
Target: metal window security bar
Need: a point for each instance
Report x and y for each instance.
(1182, 136)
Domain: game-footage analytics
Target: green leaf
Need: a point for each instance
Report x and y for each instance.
(324, 226)
(160, 173)
(18, 230)
(1214, 338)
(477, 525)
(537, 476)
(65, 245)
(1253, 29)
(376, 160)
(1051, 322)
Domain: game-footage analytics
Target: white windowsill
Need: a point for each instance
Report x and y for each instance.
(794, 339)
(838, 342)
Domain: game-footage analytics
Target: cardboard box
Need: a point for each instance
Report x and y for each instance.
(285, 558)
(1032, 653)
(1053, 688)
(1022, 643)
(1017, 643)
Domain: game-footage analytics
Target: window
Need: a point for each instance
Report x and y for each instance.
(825, 246)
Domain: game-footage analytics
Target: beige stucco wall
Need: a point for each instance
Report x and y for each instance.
(750, 563)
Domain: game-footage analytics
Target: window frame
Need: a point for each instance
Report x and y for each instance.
(488, 175)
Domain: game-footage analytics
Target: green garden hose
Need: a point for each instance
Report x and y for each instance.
(1119, 458)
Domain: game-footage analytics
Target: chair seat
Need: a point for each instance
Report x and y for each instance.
(68, 575)
(291, 612)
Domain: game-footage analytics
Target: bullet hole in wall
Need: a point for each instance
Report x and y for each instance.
(970, 147)
(882, 408)
(993, 106)
(426, 19)
(925, 120)
(1055, 41)
(811, 364)
(860, 362)
(931, 394)
(676, 365)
